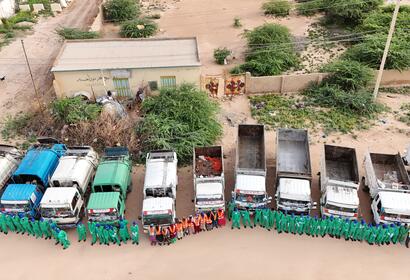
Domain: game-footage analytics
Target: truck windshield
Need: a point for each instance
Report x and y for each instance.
(255, 198)
(51, 212)
(164, 219)
(103, 215)
(158, 192)
(342, 209)
(107, 188)
(293, 202)
(16, 207)
(396, 216)
(209, 198)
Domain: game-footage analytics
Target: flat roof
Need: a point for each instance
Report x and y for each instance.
(83, 55)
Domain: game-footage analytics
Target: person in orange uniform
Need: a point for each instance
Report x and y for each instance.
(214, 219)
(208, 222)
(191, 225)
(221, 217)
(166, 235)
(172, 233)
(185, 228)
(203, 217)
(158, 235)
(197, 223)
(180, 230)
(152, 237)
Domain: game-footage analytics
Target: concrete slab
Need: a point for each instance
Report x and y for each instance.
(25, 8)
(38, 7)
(56, 8)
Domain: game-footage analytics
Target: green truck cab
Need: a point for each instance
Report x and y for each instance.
(111, 184)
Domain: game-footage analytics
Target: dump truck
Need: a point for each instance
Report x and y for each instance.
(31, 178)
(339, 182)
(160, 188)
(209, 179)
(293, 172)
(406, 159)
(10, 158)
(65, 200)
(111, 184)
(250, 171)
(388, 183)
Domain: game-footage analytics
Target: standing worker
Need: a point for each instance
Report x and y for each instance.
(124, 223)
(265, 219)
(172, 233)
(9, 222)
(258, 217)
(135, 233)
(197, 224)
(62, 238)
(185, 228)
(191, 225)
(236, 219)
(123, 232)
(16, 221)
(36, 228)
(221, 217)
(246, 219)
(114, 235)
(26, 225)
(45, 228)
(180, 230)
(214, 219)
(93, 231)
(81, 232)
(158, 234)
(231, 207)
(152, 237)
(3, 224)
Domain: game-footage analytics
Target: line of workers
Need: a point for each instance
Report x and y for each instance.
(106, 234)
(332, 226)
(204, 221)
(22, 224)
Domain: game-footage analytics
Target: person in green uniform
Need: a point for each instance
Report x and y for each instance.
(36, 228)
(352, 230)
(123, 232)
(307, 225)
(372, 236)
(9, 222)
(113, 231)
(16, 221)
(272, 218)
(62, 238)
(395, 231)
(300, 220)
(323, 226)
(257, 220)
(3, 224)
(315, 226)
(265, 219)
(337, 227)
(345, 229)
(26, 225)
(99, 230)
(292, 224)
(54, 231)
(45, 228)
(358, 235)
(246, 218)
(106, 235)
(379, 234)
(93, 231)
(134, 233)
(236, 218)
(124, 223)
(81, 232)
(278, 217)
(366, 232)
(403, 233)
(231, 207)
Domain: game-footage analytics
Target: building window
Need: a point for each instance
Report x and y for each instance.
(153, 85)
(122, 86)
(168, 81)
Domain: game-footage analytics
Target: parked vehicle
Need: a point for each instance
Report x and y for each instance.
(385, 175)
(70, 184)
(111, 184)
(10, 158)
(160, 188)
(250, 172)
(339, 182)
(31, 178)
(406, 160)
(209, 179)
(293, 172)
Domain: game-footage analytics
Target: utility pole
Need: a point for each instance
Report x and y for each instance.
(32, 79)
(386, 49)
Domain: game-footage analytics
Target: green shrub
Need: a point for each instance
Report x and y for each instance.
(348, 75)
(220, 54)
(310, 8)
(138, 28)
(12, 126)
(380, 19)
(74, 110)
(349, 12)
(179, 119)
(237, 22)
(21, 17)
(121, 10)
(75, 33)
(279, 8)
(370, 51)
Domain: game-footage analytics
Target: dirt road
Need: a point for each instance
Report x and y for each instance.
(42, 47)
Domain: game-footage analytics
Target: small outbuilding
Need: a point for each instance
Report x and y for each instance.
(93, 67)
(7, 8)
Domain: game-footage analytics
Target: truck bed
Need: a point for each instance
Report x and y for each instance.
(341, 163)
(384, 165)
(208, 161)
(251, 150)
(293, 152)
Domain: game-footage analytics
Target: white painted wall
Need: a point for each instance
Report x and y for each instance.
(7, 8)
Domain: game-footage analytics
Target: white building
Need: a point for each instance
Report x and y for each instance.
(7, 8)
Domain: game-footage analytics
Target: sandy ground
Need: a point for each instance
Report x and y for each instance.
(42, 47)
(222, 254)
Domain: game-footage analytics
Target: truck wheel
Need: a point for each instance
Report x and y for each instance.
(365, 187)
(129, 189)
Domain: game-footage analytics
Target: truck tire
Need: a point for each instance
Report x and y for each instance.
(365, 187)
(129, 189)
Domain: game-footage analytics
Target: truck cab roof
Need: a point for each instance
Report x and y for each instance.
(395, 202)
(209, 188)
(63, 195)
(103, 200)
(296, 189)
(157, 204)
(342, 195)
(112, 173)
(18, 192)
(250, 183)
(160, 172)
(38, 163)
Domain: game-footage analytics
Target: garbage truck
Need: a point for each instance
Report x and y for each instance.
(250, 169)
(209, 180)
(388, 183)
(64, 201)
(10, 158)
(339, 182)
(293, 171)
(31, 178)
(160, 188)
(112, 183)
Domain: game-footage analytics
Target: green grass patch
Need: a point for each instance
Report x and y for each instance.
(138, 28)
(278, 8)
(405, 114)
(397, 90)
(74, 110)
(75, 33)
(13, 125)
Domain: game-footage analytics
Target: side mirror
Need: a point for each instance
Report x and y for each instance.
(314, 203)
(314, 207)
(139, 218)
(269, 198)
(276, 196)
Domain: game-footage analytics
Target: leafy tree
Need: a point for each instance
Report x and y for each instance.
(279, 8)
(220, 54)
(138, 28)
(121, 10)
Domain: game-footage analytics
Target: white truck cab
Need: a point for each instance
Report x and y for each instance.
(62, 205)
(295, 195)
(158, 211)
(209, 196)
(250, 191)
(391, 207)
(340, 201)
(10, 158)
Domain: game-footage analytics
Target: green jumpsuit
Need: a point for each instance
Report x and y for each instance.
(314, 227)
(300, 223)
(17, 224)
(345, 229)
(81, 232)
(99, 231)
(271, 218)
(124, 223)
(265, 218)
(134, 233)
(395, 236)
(27, 226)
(36, 228)
(45, 229)
(285, 224)
(93, 231)
(246, 218)
(236, 218)
(403, 232)
(10, 224)
(292, 224)
(323, 227)
(106, 235)
(379, 235)
(3, 223)
(231, 207)
(307, 225)
(62, 239)
(352, 230)
(372, 236)
(257, 220)
(114, 235)
(337, 226)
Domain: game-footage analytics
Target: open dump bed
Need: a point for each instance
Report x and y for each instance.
(208, 161)
(293, 156)
(341, 164)
(389, 168)
(251, 147)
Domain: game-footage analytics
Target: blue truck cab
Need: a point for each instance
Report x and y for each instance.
(31, 178)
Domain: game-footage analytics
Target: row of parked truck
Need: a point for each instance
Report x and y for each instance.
(62, 183)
